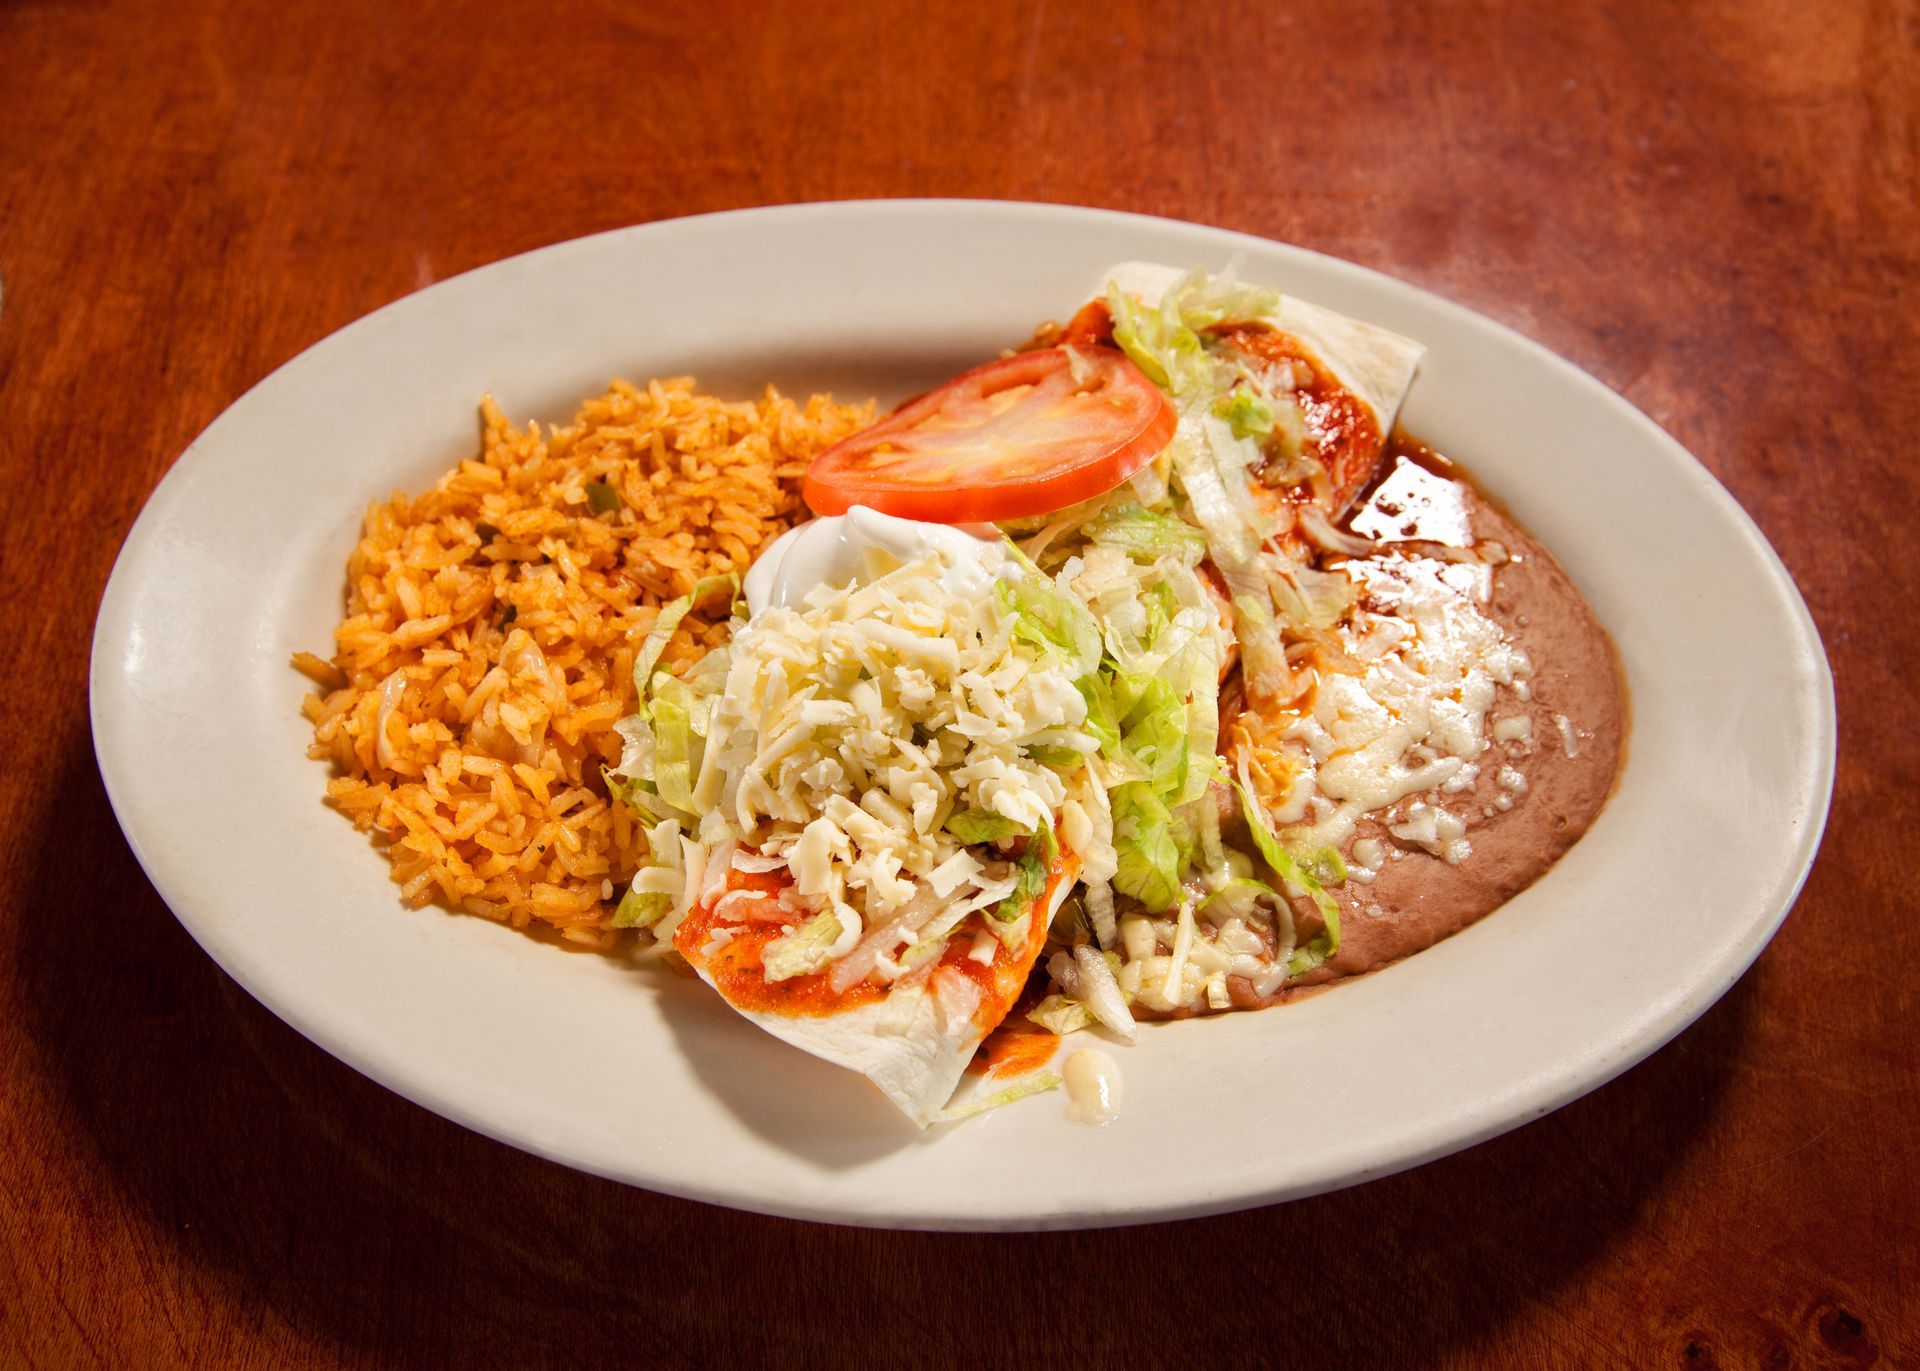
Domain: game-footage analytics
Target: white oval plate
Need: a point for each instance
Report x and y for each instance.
(238, 561)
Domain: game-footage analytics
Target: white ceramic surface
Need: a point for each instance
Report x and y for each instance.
(237, 562)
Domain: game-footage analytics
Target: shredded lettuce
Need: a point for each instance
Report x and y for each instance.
(1164, 341)
(1263, 653)
(1050, 618)
(1217, 437)
(1101, 724)
(669, 619)
(802, 951)
(671, 719)
(1059, 758)
(1034, 1084)
(1030, 876)
(1238, 896)
(1210, 852)
(1143, 533)
(638, 795)
(673, 745)
(970, 826)
(1153, 707)
(1205, 300)
(651, 895)
(1159, 342)
(1149, 869)
(1155, 735)
(1061, 1015)
(1296, 875)
(641, 909)
(1203, 734)
(1186, 836)
(655, 643)
(1246, 413)
(1162, 605)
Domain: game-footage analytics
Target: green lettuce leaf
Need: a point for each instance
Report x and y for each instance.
(1060, 758)
(1142, 840)
(1154, 733)
(1032, 1084)
(1103, 719)
(970, 826)
(1249, 415)
(655, 643)
(1159, 343)
(1060, 1015)
(1165, 342)
(673, 766)
(637, 795)
(1051, 620)
(1030, 876)
(641, 909)
(803, 951)
(1296, 875)
(1143, 533)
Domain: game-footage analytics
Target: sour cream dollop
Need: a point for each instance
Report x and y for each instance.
(1093, 1087)
(864, 545)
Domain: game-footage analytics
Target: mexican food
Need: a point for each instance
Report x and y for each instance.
(1147, 671)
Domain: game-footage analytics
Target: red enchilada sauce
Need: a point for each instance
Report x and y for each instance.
(1342, 432)
(737, 969)
(1016, 1048)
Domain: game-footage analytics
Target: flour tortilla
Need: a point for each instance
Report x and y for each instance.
(1374, 363)
(918, 1062)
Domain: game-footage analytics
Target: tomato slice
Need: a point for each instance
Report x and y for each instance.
(1026, 435)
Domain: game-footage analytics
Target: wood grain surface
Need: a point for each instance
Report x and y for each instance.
(1711, 206)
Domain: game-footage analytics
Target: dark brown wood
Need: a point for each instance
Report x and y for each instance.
(1714, 207)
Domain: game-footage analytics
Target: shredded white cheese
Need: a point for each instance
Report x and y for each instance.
(845, 731)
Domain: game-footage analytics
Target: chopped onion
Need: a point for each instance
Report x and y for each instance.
(850, 931)
(719, 865)
(730, 906)
(1099, 903)
(858, 964)
(1319, 531)
(957, 995)
(1174, 990)
(1100, 992)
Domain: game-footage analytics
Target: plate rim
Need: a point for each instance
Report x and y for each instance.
(1574, 1078)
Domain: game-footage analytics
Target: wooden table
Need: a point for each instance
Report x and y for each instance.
(1715, 208)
